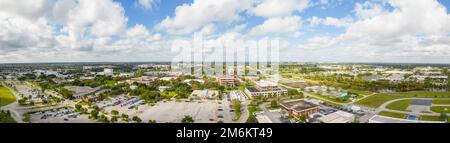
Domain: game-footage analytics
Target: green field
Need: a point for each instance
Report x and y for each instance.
(441, 101)
(6, 97)
(391, 114)
(359, 92)
(431, 118)
(376, 100)
(399, 105)
(328, 98)
(440, 109)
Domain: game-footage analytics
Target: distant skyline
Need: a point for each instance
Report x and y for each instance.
(351, 31)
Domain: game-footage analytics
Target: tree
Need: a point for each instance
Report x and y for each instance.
(115, 112)
(273, 103)
(114, 119)
(136, 119)
(94, 114)
(444, 116)
(124, 117)
(187, 119)
(67, 94)
(78, 107)
(151, 121)
(293, 92)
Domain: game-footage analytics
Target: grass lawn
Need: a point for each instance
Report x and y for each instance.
(328, 98)
(6, 96)
(441, 101)
(440, 109)
(399, 105)
(391, 114)
(168, 95)
(431, 118)
(376, 100)
(359, 92)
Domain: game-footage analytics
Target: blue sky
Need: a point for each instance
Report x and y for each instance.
(145, 30)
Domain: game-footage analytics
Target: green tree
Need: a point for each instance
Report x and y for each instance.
(124, 117)
(136, 119)
(94, 114)
(444, 116)
(115, 112)
(273, 104)
(187, 119)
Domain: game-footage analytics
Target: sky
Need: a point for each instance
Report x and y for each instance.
(398, 31)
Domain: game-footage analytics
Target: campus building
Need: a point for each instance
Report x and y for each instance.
(265, 88)
(299, 108)
(108, 72)
(228, 81)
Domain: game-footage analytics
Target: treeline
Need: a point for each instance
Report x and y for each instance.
(351, 82)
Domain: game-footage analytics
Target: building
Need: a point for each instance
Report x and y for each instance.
(142, 80)
(163, 88)
(237, 95)
(188, 81)
(108, 72)
(270, 116)
(299, 108)
(228, 81)
(337, 117)
(205, 94)
(265, 88)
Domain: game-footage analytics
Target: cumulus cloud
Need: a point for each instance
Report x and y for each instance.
(330, 21)
(148, 4)
(191, 17)
(278, 8)
(410, 32)
(285, 25)
(66, 29)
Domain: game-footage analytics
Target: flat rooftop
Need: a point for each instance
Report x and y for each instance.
(252, 89)
(337, 117)
(264, 83)
(422, 102)
(298, 105)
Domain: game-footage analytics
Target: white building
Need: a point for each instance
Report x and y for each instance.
(237, 95)
(337, 117)
(205, 94)
(108, 72)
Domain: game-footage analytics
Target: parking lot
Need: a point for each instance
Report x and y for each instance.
(62, 115)
(204, 111)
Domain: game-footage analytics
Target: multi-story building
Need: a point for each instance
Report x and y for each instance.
(228, 81)
(299, 108)
(265, 88)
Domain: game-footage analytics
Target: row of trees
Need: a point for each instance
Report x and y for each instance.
(347, 81)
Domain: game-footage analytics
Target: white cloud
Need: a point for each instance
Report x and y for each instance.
(191, 17)
(285, 25)
(148, 4)
(25, 8)
(278, 8)
(369, 9)
(69, 30)
(411, 32)
(330, 21)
